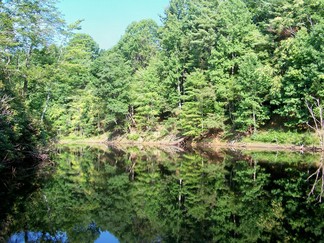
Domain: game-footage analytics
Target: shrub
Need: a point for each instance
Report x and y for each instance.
(284, 137)
(133, 136)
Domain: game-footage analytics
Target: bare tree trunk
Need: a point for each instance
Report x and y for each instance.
(27, 65)
(318, 121)
(179, 94)
(45, 108)
(255, 170)
(319, 180)
(130, 117)
(180, 87)
(98, 122)
(254, 121)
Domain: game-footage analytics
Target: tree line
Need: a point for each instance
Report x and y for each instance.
(211, 66)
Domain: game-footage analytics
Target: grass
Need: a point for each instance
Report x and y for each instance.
(284, 157)
(283, 137)
(72, 139)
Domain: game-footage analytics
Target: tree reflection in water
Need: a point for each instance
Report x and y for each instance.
(156, 196)
(318, 181)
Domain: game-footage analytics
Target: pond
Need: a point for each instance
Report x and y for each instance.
(136, 194)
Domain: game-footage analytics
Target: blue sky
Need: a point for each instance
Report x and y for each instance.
(106, 20)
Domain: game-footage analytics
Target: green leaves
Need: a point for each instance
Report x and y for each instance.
(253, 84)
(111, 84)
(198, 113)
(139, 43)
(212, 64)
(147, 96)
(300, 64)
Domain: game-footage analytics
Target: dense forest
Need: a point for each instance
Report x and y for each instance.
(211, 66)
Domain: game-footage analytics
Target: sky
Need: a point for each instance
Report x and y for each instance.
(106, 20)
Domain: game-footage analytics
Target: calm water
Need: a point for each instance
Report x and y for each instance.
(151, 195)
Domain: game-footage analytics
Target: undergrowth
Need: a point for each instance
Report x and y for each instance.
(283, 137)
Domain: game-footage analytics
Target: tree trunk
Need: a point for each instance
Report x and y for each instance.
(27, 65)
(45, 108)
(179, 94)
(318, 126)
(254, 122)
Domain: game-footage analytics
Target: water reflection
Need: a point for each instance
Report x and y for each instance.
(106, 237)
(22, 237)
(164, 196)
(61, 237)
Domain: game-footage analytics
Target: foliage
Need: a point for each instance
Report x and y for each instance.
(133, 136)
(231, 66)
(27, 57)
(139, 43)
(283, 137)
(111, 87)
(146, 96)
(198, 113)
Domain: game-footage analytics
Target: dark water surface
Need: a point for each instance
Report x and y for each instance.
(160, 195)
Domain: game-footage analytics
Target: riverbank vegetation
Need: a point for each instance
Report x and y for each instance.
(211, 67)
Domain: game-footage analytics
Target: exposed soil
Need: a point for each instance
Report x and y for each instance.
(214, 144)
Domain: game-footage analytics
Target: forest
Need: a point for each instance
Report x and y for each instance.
(210, 67)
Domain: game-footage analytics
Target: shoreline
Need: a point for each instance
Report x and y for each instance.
(261, 146)
(214, 145)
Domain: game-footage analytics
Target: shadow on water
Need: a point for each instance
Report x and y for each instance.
(163, 195)
(17, 182)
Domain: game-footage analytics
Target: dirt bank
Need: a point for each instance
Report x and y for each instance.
(256, 146)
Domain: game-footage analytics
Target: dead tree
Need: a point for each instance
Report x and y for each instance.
(319, 180)
(318, 126)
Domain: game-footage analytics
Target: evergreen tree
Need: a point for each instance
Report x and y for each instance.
(199, 112)
(111, 85)
(300, 62)
(139, 43)
(147, 95)
(69, 110)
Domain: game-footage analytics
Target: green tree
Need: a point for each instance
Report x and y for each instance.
(300, 64)
(139, 43)
(36, 23)
(70, 91)
(111, 84)
(147, 98)
(239, 45)
(199, 111)
(251, 93)
(28, 28)
(174, 44)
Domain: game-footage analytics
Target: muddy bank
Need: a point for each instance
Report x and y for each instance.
(186, 143)
(257, 146)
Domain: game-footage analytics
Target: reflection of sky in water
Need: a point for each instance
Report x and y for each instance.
(105, 236)
(37, 237)
(61, 237)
